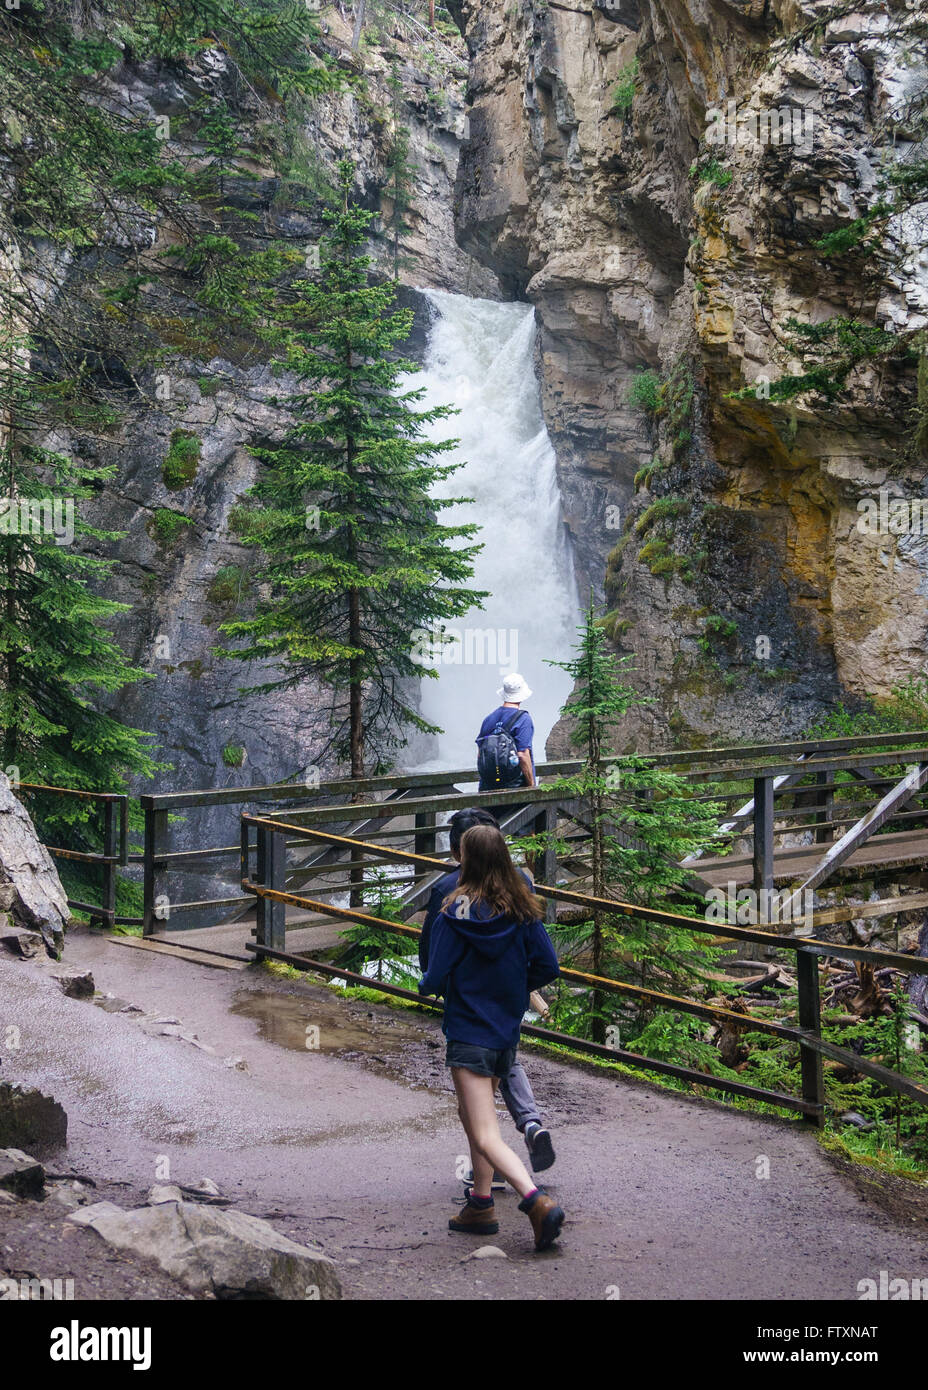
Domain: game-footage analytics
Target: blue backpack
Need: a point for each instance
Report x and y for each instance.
(498, 757)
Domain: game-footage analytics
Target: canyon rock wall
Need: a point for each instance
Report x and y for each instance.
(653, 177)
(180, 566)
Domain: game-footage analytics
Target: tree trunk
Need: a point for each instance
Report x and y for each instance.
(597, 809)
(431, 14)
(356, 875)
(354, 687)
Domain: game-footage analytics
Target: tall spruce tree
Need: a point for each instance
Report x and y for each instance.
(355, 559)
(643, 822)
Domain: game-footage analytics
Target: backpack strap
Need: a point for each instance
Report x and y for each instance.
(508, 724)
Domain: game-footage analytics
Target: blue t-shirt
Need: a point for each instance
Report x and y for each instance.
(522, 729)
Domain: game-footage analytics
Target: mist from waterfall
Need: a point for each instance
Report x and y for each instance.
(480, 359)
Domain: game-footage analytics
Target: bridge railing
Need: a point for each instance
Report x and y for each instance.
(266, 885)
(724, 775)
(771, 774)
(114, 836)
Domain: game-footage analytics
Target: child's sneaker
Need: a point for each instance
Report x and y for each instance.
(499, 1183)
(540, 1148)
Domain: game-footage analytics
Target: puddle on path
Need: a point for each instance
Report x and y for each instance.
(302, 1023)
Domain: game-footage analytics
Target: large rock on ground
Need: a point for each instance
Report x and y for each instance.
(17, 941)
(227, 1253)
(20, 1173)
(30, 1120)
(30, 889)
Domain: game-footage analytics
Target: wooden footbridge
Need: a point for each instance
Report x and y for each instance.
(296, 863)
(802, 814)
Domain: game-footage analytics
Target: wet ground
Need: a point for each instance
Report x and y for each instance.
(316, 1020)
(354, 1140)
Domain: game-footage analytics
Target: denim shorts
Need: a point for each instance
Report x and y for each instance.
(484, 1061)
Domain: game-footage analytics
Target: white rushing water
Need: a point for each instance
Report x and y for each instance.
(479, 359)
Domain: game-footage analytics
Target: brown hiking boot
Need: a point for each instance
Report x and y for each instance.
(475, 1221)
(546, 1218)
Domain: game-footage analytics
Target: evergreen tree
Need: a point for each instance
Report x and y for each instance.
(56, 655)
(355, 558)
(643, 821)
(83, 171)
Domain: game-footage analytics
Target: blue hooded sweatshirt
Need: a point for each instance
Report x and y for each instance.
(486, 965)
(445, 885)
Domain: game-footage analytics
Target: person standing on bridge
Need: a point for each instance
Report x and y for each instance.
(515, 1086)
(504, 743)
(488, 950)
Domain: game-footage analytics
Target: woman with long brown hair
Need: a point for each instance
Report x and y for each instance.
(488, 951)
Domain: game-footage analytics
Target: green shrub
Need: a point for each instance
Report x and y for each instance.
(716, 628)
(227, 585)
(664, 509)
(233, 755)
(614, 626)
(165, 526)
(644, 475)
(623, 93)
(905, 708)
(653, 550)
(711, 171)
(181, 460)
(645, 392)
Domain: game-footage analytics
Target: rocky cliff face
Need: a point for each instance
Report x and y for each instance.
(654, 178)
(180, 566)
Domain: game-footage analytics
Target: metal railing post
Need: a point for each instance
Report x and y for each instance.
(426, 835)
(813, 1078)
(156, 829)
(108, 887)
(271, 924)
(545, 863)
(824, 831)
(763, 853)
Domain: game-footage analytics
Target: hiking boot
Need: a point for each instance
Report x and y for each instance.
(475, 1221)
(546, 1218)
(498, 1184)
(540, 1148)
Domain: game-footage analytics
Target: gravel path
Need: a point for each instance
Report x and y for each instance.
(358, 1146)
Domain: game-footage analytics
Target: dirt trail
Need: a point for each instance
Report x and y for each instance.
(358, 1147)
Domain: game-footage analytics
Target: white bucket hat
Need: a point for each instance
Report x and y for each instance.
(514, 688)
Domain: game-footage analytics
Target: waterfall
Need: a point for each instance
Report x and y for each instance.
(480, 359)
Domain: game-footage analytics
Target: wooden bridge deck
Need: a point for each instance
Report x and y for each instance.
(880, 851)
